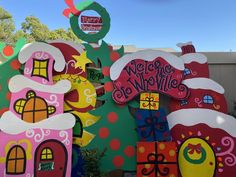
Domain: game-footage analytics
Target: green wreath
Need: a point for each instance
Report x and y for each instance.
(197, 161)
(90, 5)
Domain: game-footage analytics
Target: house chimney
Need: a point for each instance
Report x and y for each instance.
(187, 48)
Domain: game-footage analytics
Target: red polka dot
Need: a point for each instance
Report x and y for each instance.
(15, 64)
(3, 110)
(109, 86)
(8, 51)
(8, 96)
(103, 132)
(106, 71)
(118, 161)
(129, 151)
(112, 117)
(0, 87)
(115, 144)
(114, 56)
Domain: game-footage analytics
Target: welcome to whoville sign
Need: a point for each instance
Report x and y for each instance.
(148, 71)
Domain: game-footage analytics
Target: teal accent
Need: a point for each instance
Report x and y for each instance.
(197, 161)
(83, 5)
(19, 44)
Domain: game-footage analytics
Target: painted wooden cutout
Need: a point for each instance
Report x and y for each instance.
(156, 159)
(200, 126)
(148, 70)
(82, 96)
(149, 101)
(119, 145)
(152, 125)
(9, 67)
(74, 12)
(36, 134)
(77, 162)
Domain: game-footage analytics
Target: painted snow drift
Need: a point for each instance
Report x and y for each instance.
(204, 133)
(36, 134)
(148, 70)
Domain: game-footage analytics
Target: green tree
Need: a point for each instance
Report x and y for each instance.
(35, 28)
(4, 14)
(32, 29)
(7, 26)
(115, 130)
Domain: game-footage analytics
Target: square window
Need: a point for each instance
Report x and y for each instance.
(49, 156)
(44, 157)
(43, 64)
(43, 72)
(36, 64)
(36, 72)
(40, 68)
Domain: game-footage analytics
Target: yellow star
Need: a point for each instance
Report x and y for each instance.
(81, 61)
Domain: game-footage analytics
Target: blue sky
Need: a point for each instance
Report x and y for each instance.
(210, 24)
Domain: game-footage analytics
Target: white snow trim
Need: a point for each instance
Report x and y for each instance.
(20, 82)
(28, 49)
(13, 125)
(80, 48)
(194, 57)
(147, 55)
(182, 44)
(205, 84)
(214, 119)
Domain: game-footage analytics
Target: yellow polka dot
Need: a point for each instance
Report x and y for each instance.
(147, 166)
(141, 149)
(172, 175)
(162, 146)
(172, 153)
(221, 165)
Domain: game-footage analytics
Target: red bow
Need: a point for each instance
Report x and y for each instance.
(72, 9)
(196, 148)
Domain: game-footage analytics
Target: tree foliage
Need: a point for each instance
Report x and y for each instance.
(32, 29)
(7, 26)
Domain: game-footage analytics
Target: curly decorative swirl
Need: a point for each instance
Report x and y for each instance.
(118, 95)
(199, 102)
(68, 64)
(53, 100)
(87, 93)
(217, 107)
(44, 81)
(64, 134)
(38, 137)
(183, 89)
(194, 73)
(230, 160)
(29, 175)
(28, 71)
(45, 56)
(41, 55)
(38, 55)
(149, 102)
(155, 159)
(153, 125)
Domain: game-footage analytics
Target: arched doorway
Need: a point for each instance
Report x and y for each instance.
(50, 159)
